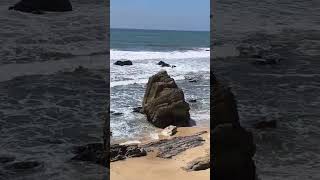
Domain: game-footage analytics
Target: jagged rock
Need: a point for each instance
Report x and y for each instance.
(163, 64)
(6, 158)
(120, 152)
(37, 6)
(123, 63)
(169, 131)
(167, 148)
(164, 102)
(266, 124)
(198, 164)
(233, 150)
(138, 110)
(225, 107)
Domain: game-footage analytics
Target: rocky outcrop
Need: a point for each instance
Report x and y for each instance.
(224, 105)
(120, 152)
(164, 102)
(198, 164)
(123, 63)
(233, 147)
(167, 148)
(36, 6)
(163, 64)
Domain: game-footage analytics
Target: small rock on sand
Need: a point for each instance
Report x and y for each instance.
(169, 131)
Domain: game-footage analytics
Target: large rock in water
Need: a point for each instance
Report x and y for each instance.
(42, 5)
(164, 102)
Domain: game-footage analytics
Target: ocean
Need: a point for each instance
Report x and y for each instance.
(187, 50)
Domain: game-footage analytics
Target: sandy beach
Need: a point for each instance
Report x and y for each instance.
(152, 167)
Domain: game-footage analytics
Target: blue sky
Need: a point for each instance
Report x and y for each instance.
(161, 14)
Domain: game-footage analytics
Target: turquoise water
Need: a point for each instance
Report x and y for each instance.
(158, 40)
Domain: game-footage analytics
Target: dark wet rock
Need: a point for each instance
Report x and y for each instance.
(123, 63)
(37, 6)
(173, 66)
(120, 152)
(6, 158)
(164, 102)
(117, 113)
(138, 110)
(266, 124)
(192, 100)
(92, 153)
(233, 150)
(225, 106)
(167, 148)
(24, 166)
(163, 64)
(198, 164)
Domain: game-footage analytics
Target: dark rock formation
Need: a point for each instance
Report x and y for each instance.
(120, 152)
(37, 6)
(224, 105)
(164, 103)
(123, 63)
(167, 148)
(266, 124)
(163, 64)
(198, 164)
(233, 150)
(138, 110)
(233, 147)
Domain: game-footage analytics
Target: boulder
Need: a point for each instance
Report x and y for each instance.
(37, 6)
(123, 63)
(164, 102)
(233, 150)
(198, 164)
(224, 104)
(169, 131)
(163, 64)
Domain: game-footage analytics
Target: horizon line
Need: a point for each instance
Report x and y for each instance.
(158, 29)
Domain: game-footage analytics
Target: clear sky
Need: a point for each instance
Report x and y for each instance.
(161, 14)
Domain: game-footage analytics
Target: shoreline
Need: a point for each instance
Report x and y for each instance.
(159, 168)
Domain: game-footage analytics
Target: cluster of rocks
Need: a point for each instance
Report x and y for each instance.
(233, 147)
(164, 64)
(39, 6)
(261, 55)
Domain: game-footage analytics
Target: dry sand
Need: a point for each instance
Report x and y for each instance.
(151, 167)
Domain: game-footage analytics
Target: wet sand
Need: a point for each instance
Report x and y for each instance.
(152, 167)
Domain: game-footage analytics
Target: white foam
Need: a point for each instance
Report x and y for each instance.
(140, 55)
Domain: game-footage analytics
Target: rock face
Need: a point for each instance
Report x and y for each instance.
(233, 147)
(163, 64)
(164, 102)
(42, 5)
